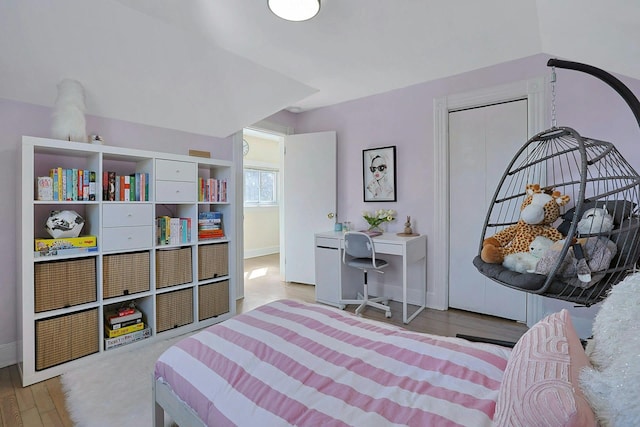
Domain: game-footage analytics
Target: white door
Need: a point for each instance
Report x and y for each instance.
(482, 142)
(310, 186)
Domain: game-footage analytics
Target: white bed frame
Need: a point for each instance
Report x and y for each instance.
(164, 400)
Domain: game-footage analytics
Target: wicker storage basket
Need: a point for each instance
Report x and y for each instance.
(213, 261)
(213, 299)
(173, 267)
(174, 309)
(59, 284)
(125, 274)
(68, 337)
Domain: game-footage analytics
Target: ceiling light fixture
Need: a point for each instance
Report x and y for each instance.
(295, 10)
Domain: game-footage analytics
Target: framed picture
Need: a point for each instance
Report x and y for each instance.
(379, 174)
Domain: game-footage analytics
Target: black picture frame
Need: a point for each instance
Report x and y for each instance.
(379, 174)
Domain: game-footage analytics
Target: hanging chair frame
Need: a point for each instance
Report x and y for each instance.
(589, 153)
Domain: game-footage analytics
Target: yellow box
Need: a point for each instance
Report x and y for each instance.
(66, 242)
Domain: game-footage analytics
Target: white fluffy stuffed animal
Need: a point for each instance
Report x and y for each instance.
(595, 220)
(69, 122)
(525, 262)
(612, 386)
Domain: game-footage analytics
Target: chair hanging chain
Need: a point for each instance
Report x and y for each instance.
(553, 97)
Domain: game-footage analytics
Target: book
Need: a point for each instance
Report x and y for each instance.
(113, 318)
(371, 233)
(92, 185)
(44, 186)
(116, 326)
(65, 243)
(111, 186)
(74, 184)
(85, 184)
(79, 183)
(111, 333)
(127, 338)
(53, 173)
(125, 194)
(174, 226)
(134, 194)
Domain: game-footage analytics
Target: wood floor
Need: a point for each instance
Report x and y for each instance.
(43, 404)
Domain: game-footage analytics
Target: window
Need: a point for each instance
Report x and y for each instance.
(260, 187)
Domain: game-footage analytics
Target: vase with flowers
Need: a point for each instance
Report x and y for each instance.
(377, 218)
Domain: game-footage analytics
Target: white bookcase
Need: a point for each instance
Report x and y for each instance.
(178, 287)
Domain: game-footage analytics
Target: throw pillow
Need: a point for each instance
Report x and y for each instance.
(540, 384)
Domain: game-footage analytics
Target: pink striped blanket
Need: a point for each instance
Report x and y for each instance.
(292, 363)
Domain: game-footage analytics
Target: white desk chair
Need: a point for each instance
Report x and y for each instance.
(359, 253)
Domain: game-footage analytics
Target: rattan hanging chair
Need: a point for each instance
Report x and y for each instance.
(594, 175)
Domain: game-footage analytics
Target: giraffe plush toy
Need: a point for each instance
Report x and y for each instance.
(539, 210)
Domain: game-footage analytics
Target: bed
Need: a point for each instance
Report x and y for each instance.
(294, 363)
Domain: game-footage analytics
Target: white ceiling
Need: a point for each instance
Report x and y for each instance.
(215, 66)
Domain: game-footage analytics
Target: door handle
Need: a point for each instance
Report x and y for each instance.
(331, 215)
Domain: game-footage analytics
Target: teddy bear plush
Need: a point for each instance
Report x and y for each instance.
(525, 262)
(585, 269)
(539, 210)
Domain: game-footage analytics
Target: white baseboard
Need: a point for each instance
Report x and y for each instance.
(261, 252)
(8, 354)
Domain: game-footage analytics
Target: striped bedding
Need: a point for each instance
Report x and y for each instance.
(292, 363)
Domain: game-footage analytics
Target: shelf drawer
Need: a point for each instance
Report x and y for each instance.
(213, 261)
(173, 267)
(125, 238)
(64, 338)
(126, 215)
(176, 192)
(213, 300)
(172, 170)
(60, 284)
(125, 274)
(174, 309)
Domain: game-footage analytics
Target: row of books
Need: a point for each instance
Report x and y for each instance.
(210, 225)
(133, 187)
(212, 190)
(67, 184)
(124, 326)
(173, 231)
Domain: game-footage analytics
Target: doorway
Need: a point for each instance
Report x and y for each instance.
(262, 192)
(261, 206)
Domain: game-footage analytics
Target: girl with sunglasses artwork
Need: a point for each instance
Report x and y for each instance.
(379, 186)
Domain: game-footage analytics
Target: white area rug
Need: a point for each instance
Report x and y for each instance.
(114, 390)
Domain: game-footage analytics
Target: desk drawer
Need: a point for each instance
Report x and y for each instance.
(387, 248)
(126, 215)
(171, 170)
(327, 242)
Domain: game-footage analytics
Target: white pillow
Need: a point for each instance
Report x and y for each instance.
(612, 386)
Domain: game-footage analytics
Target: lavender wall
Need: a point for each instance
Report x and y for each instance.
(18, 119)
(404, 118)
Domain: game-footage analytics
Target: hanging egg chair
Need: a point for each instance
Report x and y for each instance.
(599, 222)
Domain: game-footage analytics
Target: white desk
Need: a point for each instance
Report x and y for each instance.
(404, 280)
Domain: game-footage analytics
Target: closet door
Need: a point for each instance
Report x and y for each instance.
(482, 142)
